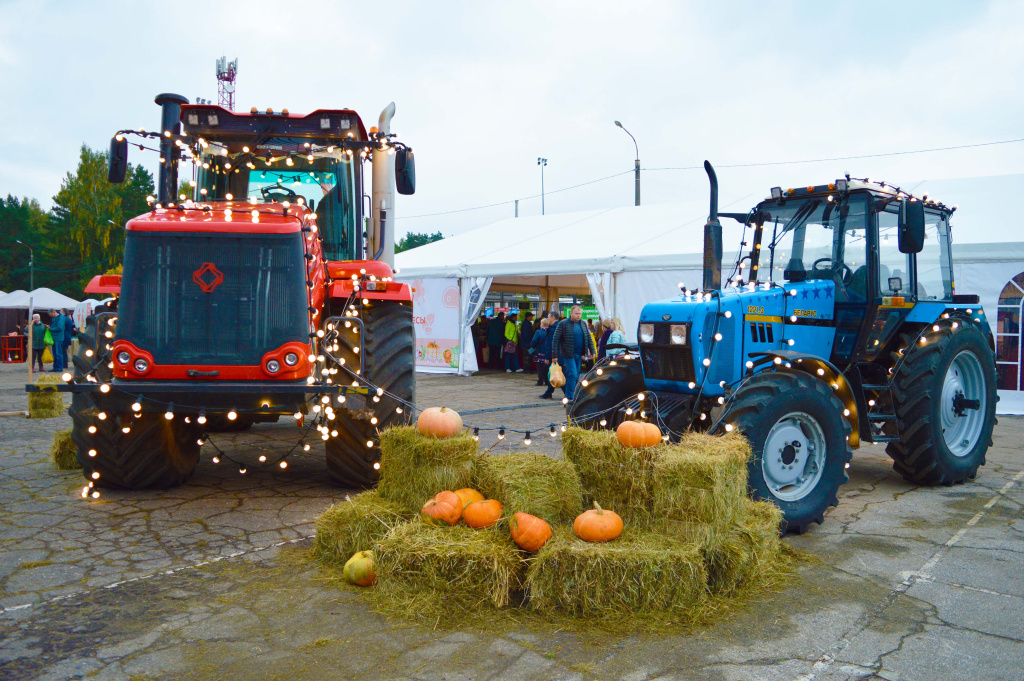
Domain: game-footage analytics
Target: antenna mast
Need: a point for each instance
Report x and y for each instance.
(227, 72)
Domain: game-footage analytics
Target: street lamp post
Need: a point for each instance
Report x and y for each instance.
(31, 264)
(636, 167)
(542, 162)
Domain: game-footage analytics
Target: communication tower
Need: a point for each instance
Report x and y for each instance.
(226, 74)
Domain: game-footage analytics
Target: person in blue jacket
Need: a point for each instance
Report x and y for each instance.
(571, 344)
(58, 322)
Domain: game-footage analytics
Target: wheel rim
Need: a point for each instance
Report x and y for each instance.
(962, 424)
(793, 457)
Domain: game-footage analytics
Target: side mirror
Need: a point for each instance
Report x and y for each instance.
(118, 168)
(911, 226)
(405, 171)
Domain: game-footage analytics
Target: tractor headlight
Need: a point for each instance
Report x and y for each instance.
(677, 332)
(141, 365)
(647, 333)
(291, 359)
(273, 366)
(123, 357)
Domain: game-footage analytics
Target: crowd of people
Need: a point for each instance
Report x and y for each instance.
(520, 345)
(56, 334)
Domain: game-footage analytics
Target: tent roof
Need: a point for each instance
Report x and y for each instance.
(671, 235)
(42, 298)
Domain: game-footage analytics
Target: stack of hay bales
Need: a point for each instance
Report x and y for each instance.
(692, 537)
(691, 532)
(47, 404)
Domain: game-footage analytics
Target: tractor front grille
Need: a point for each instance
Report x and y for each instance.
(667, 363)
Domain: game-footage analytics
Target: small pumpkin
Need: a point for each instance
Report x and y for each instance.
(529, 532)
(445, 507)
(360, 569)
(469, 495)
(638, 434)
(597, 524)
(439, 422)
(483, 513)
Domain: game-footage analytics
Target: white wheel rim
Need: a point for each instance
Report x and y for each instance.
(793, 458)
(964, 378)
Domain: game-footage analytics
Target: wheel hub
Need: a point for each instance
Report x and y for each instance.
(962, 406)
(793, 457)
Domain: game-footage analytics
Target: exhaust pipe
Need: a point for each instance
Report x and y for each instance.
(170, 154)
(382, 233)
(712, 238)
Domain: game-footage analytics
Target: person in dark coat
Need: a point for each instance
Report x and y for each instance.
(538, 351)
(38, 341)
(570, 344)
(58, 323)
(526, 331)
(495, 338)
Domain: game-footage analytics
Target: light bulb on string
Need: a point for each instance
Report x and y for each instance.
(552, 432)
(526, 440)
(501, 433)
(476, 434)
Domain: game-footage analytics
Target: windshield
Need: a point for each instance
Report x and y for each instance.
(293, 170)
(816, 238)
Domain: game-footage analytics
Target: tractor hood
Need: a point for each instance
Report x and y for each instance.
(717, 326)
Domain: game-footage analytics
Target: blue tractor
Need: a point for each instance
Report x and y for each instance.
(840, 325)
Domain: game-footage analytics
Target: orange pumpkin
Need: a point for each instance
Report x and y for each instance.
(597, 524)
(469, 495)
(483, 513)
(445, 507)
(439, 422)
(638, 434)
(529, 532)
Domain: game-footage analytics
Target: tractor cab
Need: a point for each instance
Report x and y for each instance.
(878, 250)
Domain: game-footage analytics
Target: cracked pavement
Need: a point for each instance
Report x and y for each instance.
(213, 579)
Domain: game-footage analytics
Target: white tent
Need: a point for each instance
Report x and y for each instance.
(41, 298)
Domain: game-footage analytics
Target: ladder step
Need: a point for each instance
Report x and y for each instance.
(867, 386)
(881, 417)
(884, 438)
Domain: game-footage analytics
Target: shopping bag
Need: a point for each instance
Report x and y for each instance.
(47, 357)
(555, 376)
(48, 337)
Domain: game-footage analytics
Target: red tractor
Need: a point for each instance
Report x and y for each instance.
(265, 293)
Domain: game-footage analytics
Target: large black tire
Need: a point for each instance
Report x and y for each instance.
(390, 364)
(154, 453)
(920, 400)
(771, 406)
(603, 393)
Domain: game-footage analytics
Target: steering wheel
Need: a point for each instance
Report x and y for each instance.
(277, 192)
(847, 271)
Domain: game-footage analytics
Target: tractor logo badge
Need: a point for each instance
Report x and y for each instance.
(208, 277)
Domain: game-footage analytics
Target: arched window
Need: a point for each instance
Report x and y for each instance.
(1008, 334)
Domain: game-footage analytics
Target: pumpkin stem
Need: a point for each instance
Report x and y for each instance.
(600, 511)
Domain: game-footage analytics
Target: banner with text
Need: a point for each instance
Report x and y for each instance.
(435, 310)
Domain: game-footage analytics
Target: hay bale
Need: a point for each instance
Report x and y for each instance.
(64, 451)
(617, 477)
(49, 404)
(640, 572)
(413, 467)
(468, 568)
(748, 554)
(703, 479)
(355, 525)
(529, 482)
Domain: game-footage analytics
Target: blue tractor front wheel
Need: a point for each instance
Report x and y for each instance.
(799, 443)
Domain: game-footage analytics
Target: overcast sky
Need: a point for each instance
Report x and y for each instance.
(484, 88)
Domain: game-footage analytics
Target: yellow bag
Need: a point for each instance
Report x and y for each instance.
(555, 376)
(48, 357)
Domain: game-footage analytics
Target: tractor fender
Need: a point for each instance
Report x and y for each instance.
(820, 369)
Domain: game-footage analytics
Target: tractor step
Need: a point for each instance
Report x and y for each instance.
(868, 386)
(881, 417)
(877, 439)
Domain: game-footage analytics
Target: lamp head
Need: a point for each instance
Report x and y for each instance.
(618, 124)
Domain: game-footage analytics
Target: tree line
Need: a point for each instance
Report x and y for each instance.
(82, 235)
